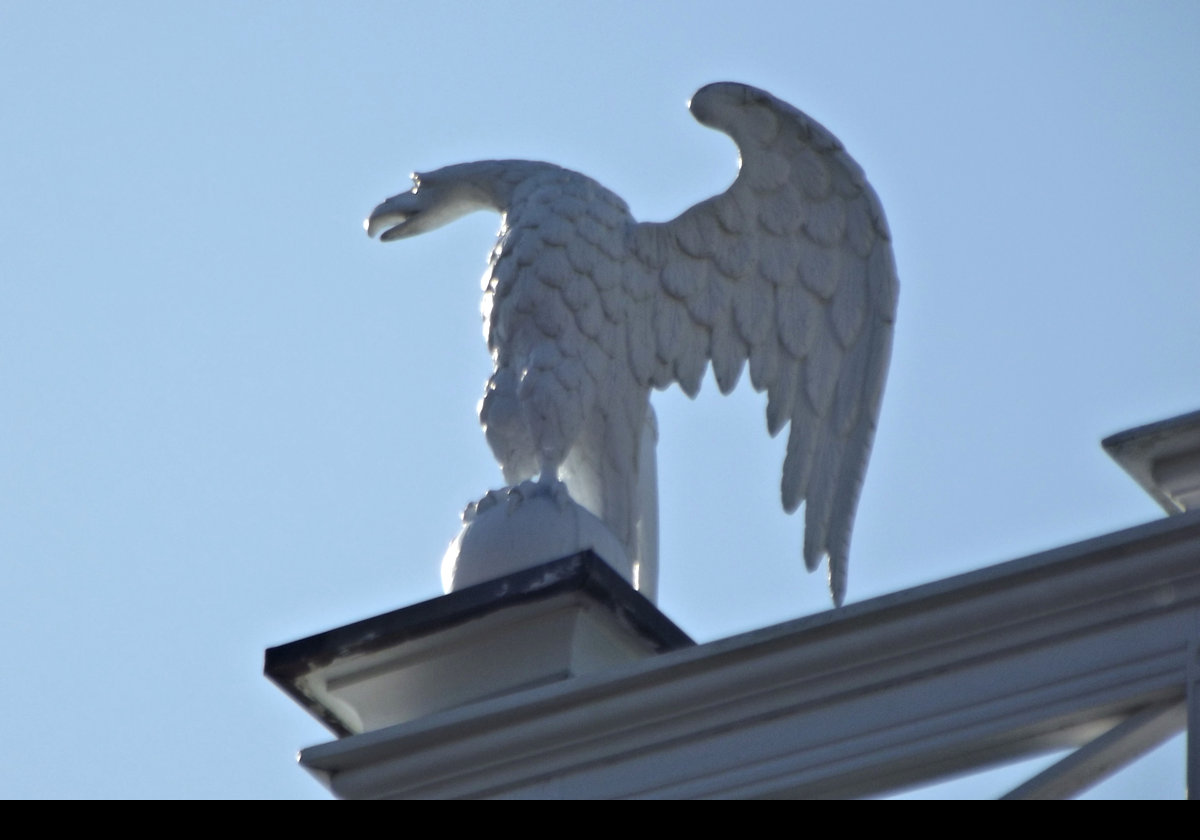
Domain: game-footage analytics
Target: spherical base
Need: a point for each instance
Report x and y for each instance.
(512, 529)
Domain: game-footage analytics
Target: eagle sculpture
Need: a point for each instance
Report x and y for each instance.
(586, 311)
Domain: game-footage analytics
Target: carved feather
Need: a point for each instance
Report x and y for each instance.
(800, 232)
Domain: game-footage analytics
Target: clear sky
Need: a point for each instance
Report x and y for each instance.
(229, 420)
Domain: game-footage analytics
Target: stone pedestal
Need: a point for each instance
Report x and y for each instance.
(551, 622)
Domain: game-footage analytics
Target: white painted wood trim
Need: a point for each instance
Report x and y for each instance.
(1041, 653)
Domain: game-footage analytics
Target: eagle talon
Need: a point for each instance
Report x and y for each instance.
(489, 500)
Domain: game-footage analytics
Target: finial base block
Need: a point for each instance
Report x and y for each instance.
(567, 617)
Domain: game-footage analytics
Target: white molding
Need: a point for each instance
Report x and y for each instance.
(1041, 653)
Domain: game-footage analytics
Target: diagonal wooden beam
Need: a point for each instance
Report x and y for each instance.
(1126, 742)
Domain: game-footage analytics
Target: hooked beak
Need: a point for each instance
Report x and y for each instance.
(393, 216)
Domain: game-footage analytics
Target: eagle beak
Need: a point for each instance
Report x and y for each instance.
(393, 216)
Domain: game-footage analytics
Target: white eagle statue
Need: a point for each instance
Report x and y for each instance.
(586, 311)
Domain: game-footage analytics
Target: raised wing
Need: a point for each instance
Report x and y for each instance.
(791, 268)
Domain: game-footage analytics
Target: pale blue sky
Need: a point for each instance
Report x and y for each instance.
(230, 420)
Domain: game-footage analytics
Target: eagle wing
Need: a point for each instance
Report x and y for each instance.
(790, 269)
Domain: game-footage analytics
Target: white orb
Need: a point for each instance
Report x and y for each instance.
(518, 527)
